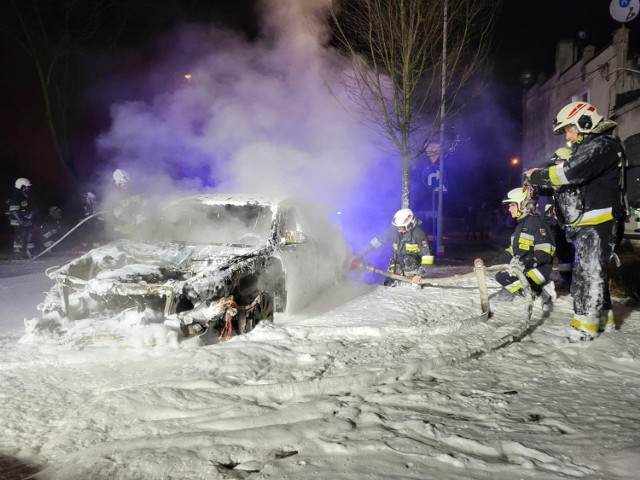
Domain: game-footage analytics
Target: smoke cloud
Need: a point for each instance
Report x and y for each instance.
(230, 114)
(217, 111)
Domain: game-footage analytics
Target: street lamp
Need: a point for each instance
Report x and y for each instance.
(515, 161)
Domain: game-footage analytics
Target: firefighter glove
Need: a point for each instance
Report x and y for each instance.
(356, 263)
(530, 262)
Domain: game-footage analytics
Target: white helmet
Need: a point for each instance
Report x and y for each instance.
(582, 115)
(90, 195)
(120, 177)
(22, 182)
(523, 197)
(404, 218)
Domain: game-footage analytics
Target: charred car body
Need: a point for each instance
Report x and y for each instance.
(207, 263)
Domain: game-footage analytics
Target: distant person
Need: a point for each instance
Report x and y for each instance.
(51, 228)
(412, 255)
(593, 215)
(21, 213)
(532, 246)
(485, 221)
(470, 223)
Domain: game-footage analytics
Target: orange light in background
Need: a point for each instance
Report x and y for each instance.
(187, 76)
(515, 161)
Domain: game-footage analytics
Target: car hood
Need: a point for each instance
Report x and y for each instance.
(129, 261)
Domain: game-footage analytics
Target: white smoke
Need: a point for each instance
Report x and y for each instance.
(255, 116)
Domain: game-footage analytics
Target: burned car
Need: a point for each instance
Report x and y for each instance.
(213, 263)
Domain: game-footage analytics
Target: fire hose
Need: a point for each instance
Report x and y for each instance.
(67, 234)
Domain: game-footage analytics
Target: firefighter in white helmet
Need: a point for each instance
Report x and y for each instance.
(531, 248)
(126, 206)
(412, 253)
(593, 214)
(121, 178)
(21, 212)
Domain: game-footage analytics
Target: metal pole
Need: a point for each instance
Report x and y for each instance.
(479, 268)
(439, 245)
(434, 218)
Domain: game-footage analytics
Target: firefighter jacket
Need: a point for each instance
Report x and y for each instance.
(20, 209)
(88, 209)
(127, 212)
(588, 184)
(533, 244)
(50, 231)
(411, 250)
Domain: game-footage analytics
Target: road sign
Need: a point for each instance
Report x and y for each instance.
(431, 178)
(624, 11)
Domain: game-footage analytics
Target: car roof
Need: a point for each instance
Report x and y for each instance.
(231, 199)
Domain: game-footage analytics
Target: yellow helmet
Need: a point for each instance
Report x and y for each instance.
(560, 155)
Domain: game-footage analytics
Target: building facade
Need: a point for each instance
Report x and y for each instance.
(609, 80)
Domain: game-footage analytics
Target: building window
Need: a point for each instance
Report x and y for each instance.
(583, 97)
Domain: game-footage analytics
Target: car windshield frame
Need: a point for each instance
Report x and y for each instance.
(197, 222)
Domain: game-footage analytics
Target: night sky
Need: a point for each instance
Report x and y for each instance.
(526, 34)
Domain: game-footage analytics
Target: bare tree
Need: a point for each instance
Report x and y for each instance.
(398, 81)
(53, 35)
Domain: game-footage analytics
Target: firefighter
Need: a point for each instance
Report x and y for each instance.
(412, 252)
(531, 248)
(92, 235)
(51, 227)
(593, 213)
(88, 204)
(564, 248)
(127, 206)
(21, 212)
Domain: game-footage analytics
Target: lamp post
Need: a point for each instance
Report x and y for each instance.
(443, 86)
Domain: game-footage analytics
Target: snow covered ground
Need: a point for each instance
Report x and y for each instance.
(370, 382)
